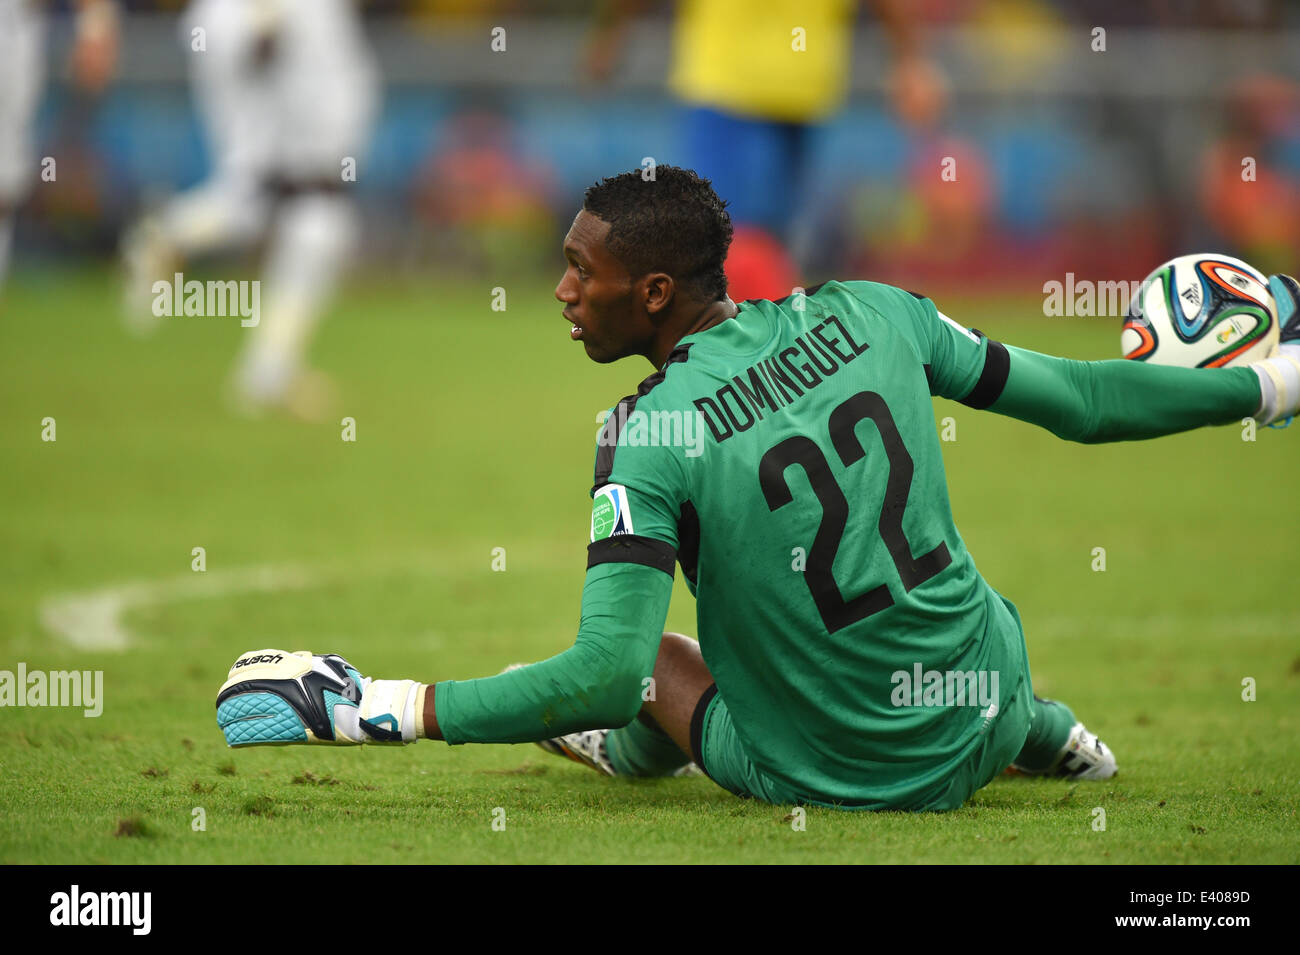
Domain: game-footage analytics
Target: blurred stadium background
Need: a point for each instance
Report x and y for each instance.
(1099, 163)
(475, 427)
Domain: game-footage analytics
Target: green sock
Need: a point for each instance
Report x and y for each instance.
(642, 749)
(1049, 729)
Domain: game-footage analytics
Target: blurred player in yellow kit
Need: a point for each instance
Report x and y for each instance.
(755, 79)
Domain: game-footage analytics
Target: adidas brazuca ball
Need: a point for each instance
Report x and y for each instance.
(1201, 311)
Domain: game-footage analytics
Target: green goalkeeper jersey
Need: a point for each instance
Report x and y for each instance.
(788, 459)
(810, 516)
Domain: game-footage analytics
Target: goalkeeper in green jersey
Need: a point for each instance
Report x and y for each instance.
(783, 454)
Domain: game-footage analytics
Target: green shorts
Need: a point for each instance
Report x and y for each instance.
(718, 751)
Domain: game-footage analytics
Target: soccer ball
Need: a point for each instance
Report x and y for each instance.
(1201, 311)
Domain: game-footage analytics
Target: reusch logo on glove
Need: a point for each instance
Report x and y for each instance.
(262, 658)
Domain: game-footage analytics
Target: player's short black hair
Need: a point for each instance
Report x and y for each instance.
(673, 223)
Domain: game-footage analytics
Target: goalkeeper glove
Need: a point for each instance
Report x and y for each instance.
(1279, 376)
(274, 697)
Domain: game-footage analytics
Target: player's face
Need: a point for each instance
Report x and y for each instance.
(599, 295)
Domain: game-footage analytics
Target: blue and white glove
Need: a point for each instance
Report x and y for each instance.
(274, 697)
(1279, 375)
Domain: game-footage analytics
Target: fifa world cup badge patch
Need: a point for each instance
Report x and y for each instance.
(610, 513)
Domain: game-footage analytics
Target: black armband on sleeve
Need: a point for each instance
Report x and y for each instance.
(632, 549)
(997, 364)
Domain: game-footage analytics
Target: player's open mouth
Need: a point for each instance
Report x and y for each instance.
(575, 332)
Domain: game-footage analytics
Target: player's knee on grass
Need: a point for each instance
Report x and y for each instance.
(680, 679)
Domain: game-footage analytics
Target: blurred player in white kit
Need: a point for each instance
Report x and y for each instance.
(22, 79)
(287, 92)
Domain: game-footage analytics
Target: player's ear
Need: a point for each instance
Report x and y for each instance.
(659, 292)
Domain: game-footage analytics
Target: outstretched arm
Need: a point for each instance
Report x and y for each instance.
(1095, 401)
(275, 697)
(1098, 401)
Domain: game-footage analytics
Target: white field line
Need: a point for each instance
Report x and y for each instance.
(92, 619)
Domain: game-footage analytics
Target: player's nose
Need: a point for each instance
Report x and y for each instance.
(565, 292)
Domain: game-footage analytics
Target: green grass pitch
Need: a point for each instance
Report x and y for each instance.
(475, 431)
